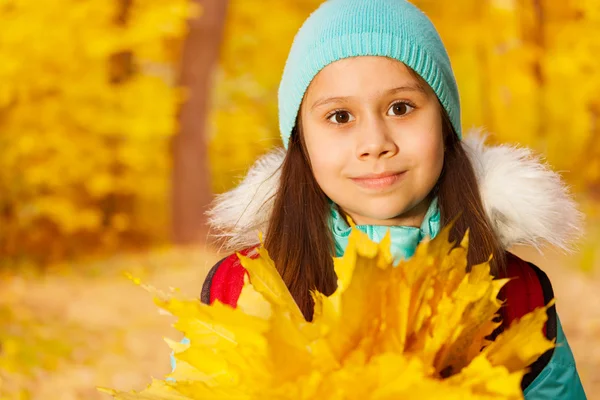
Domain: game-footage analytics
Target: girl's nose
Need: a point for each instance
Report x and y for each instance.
(375, 141)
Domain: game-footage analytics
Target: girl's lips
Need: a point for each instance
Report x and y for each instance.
(379, 181)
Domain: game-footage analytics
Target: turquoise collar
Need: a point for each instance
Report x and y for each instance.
(404, 238)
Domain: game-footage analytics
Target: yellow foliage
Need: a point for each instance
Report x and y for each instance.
(258, 36)
(385, 333)
(87, 108)
(528, 72)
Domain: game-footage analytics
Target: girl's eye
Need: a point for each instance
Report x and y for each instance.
(400, 108)
(340, 117)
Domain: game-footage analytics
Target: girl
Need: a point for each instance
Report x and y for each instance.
(369, 115)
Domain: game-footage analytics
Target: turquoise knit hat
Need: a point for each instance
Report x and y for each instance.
(340, 29)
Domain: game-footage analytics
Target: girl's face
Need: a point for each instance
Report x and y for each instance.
(374, 136)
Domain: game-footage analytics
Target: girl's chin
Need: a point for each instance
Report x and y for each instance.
(380, 217)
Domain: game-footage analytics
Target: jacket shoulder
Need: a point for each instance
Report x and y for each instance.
(559, 379)
(528, 289)
(225, 280)
(554, 375)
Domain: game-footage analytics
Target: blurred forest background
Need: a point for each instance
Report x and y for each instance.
(120, 119)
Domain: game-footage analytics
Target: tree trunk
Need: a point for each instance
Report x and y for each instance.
(191, 193)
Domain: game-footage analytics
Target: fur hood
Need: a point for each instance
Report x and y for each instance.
(526, 202)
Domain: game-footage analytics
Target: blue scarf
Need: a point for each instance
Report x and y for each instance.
(404, 238)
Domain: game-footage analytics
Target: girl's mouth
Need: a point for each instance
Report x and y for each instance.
(379, 181)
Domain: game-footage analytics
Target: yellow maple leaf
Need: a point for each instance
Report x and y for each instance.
(522, 344)
(387, 332)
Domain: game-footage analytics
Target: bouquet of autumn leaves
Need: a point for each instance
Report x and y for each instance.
(417, 329)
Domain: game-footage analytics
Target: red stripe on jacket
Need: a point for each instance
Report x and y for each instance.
(523, 294)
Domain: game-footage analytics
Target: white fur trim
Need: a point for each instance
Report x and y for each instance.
(239, 215)
(526, 202)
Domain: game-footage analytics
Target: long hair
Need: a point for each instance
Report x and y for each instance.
(300, 241)
(298, 238)
(459, 196)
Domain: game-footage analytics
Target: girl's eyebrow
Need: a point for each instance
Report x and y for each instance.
(412, 87)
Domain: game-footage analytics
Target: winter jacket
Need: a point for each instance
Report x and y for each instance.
(526, 204)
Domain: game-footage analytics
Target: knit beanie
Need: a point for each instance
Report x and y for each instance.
(341, 29)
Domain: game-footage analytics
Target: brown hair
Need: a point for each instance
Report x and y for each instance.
(299, 239)
(459, 196)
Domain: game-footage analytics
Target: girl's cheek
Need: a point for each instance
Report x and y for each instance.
(328, 150)
(328, 168)
(327, 164)
(428, 140)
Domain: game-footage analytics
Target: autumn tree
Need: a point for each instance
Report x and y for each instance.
(87, 109)
(191, 183)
